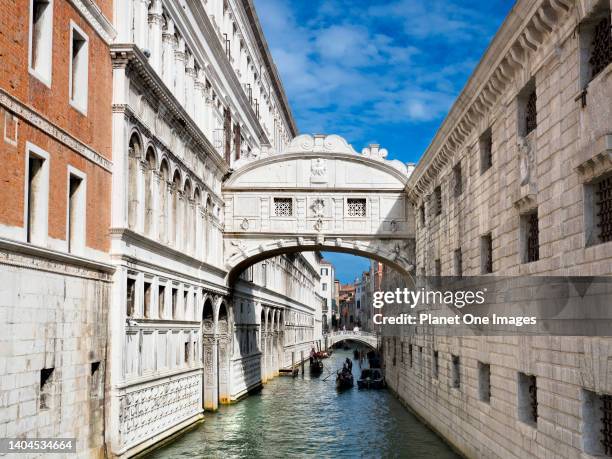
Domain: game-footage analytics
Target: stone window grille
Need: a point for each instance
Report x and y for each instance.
(484, 382)
(532, 237)
(410, 355)
(486, 254)
(356, 207)
(435, 364)
(597, 418)
(531, 113)
(458, 255)
(438, 199)
(456, 372)
(457, 180)
(486, 151)
(283, 207)
(603, 208)
(601, 46)
(527, 399)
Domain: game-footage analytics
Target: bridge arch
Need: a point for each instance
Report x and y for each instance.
(318, 194)
(368, 339)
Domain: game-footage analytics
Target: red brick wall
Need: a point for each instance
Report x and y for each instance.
(94, 129)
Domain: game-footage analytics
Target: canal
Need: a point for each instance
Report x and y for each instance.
(307, 417)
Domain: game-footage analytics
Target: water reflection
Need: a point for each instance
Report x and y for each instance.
(308, 417)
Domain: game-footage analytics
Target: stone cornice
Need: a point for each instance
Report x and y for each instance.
(270, 65)
(130, 55)
(29, 256)
(522, 34)
(96, 19)
(30, 115)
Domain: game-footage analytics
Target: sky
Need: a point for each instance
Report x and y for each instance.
(376, 71)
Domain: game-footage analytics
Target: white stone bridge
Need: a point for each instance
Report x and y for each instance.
(362, 337)
(319, 194)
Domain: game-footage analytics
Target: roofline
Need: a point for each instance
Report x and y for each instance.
(262, 44)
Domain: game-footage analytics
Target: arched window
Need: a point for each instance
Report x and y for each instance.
(134, 154)
(164, 172)
(149, 206)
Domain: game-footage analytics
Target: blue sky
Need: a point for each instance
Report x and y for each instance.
(377, 71)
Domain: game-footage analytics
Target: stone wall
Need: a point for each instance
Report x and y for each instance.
(546, 169)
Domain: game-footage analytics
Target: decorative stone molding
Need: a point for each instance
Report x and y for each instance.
(96, 19)
(32, 117)
(595, 160)
(508, 54)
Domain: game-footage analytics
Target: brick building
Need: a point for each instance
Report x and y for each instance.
(55, 120)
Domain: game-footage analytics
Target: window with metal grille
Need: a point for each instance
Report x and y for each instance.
(458, 256)
(410, 355)
(531, 238)
(435, 364)
(601, 46)
(484, 382)
(422, 211)
(597, 418)
(356, 207)
(456, 372)
(527, 399)
(531, 113)
(457, 180)
(437, 267)
(486, 254)
(438, 199)
(283, 207)
(603, 208)
(486, 151)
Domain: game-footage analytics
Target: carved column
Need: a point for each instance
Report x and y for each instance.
(210, 355)
(168, 45)
(190, 76)
(156, 22)
(179, 71)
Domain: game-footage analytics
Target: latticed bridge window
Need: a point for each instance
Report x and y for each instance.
(603, 208)
(601, 47)
(356, 207)
(283, 207)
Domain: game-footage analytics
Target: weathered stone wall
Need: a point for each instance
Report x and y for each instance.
(548, 171)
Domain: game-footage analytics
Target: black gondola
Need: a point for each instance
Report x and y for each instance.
(344, 379)
(316, 365)
(371, 378)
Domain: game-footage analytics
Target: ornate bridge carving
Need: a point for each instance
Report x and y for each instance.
(319, 194)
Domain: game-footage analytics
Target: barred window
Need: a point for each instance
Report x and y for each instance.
(603, 204)
(531, 113)
(283, 207)
(457, 179)
(527, 399)
(438, 199)
(486, 151)
(356, 207)
(532, 242)
(597, 415)
(486, 254)
(601, 46)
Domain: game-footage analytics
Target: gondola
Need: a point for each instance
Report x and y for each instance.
(316, 365)
(344, 379)
(371, 378)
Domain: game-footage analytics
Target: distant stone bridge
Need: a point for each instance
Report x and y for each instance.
(366, 338)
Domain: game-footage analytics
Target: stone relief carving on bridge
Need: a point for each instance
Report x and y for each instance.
(324, 144)
(318, 207)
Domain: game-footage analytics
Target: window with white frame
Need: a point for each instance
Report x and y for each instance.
(79, 71)
(283, 207)
(356, 207)
(75, 225)
(36, 195)
(41, 35)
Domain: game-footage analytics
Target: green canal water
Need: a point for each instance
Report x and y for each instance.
(307, 417)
